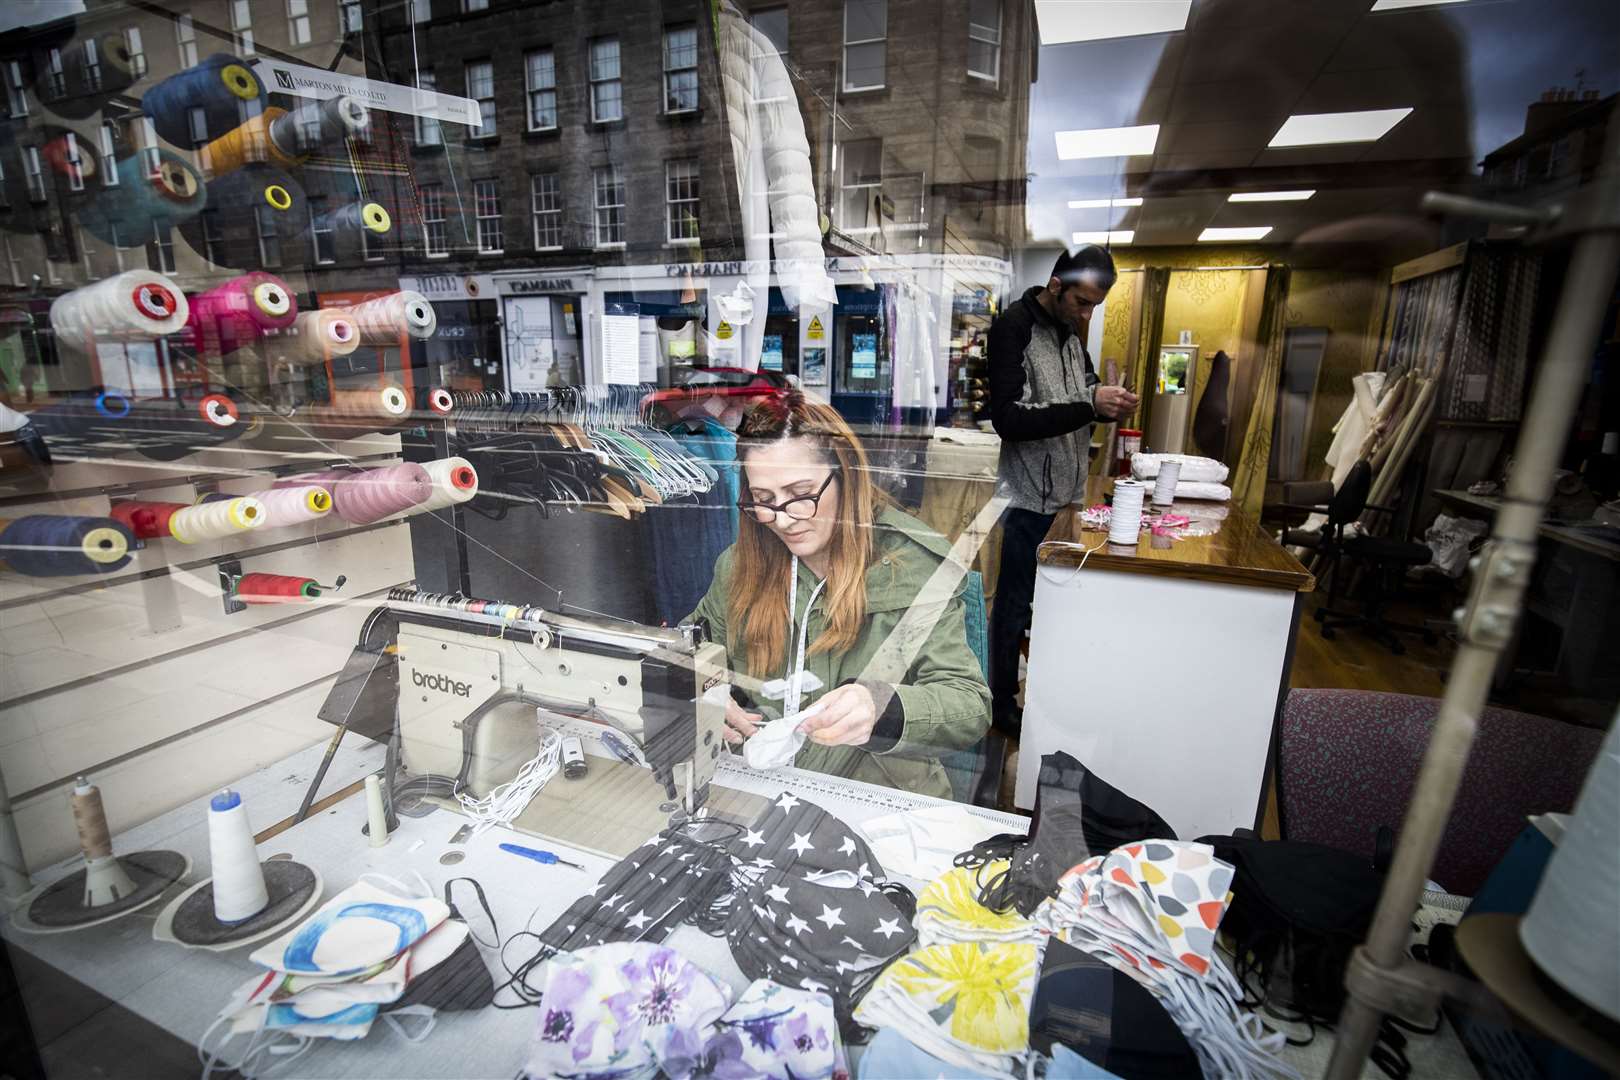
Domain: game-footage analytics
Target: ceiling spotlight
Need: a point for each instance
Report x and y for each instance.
(1103, 204)
(1320, 129)
(1107, 142)
(1063, 21)
(1271, 196)
(1112, 236)
(1247, 232)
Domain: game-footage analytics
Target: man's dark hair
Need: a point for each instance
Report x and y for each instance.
(1089, 261)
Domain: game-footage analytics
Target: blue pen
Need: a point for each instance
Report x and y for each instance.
(538, 855)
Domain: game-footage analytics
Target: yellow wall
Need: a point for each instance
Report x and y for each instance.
(1344, 302)
(1210, 304)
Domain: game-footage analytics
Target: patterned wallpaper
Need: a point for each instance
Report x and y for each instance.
(1210, 304)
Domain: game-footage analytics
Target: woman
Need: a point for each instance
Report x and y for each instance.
(877, 629)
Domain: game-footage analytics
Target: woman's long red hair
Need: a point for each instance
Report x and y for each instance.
(758, 605)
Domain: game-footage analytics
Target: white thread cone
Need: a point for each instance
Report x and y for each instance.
(239, 890)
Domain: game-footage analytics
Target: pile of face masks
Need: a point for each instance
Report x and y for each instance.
(335, 974)
(1151, 910)
(633, 1010)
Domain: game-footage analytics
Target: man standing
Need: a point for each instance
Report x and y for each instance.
(1044, 398)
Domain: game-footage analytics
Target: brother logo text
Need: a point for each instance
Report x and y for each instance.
(442, 683)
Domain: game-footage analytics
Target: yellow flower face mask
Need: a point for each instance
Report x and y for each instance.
(948, 910)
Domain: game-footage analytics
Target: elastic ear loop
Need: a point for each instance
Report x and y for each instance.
(1064, 545)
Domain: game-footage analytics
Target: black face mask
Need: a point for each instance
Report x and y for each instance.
(1107, 1017)
(1077, 815)
(460, 982)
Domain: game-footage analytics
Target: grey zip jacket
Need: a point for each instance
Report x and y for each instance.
(1041, 382)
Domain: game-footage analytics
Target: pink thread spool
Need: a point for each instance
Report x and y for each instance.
(373, 494)
(240, 312)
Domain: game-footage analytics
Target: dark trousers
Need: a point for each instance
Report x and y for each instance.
(1021, 533)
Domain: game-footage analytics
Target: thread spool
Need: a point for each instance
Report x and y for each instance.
(216, 520)
(124, 215)
(239, 890)
(376, 816)
(238, 312)
(275, 589)
(222, 86)
(249, 209)
(373, 494)
(88, 90)
(1570, 930)
(90, 820)
(304, 130)
(323, 334)
(69, 157)
(438, 400)
(52, 545)
(383, 320)
(137, 305)
(454, 481)
(1164, 484)
(294, 505)
(351, 219)
(146, 520)
(1125, 526)
(246, 143)
(326, 478)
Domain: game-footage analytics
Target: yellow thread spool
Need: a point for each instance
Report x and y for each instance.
(248, 142)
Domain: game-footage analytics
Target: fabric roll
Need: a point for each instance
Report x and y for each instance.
(1201, 470)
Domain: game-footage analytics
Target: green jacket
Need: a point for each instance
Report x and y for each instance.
(913, 649)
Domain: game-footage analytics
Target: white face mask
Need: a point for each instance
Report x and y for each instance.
(922, 844)
(778, 742)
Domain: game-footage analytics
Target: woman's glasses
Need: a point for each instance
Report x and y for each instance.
(802, 508)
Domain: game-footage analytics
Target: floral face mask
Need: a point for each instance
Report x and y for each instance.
(772, 1033)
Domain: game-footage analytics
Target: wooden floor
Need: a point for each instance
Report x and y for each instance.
(1354, 661)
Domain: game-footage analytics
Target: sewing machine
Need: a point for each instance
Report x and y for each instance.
(452, 685)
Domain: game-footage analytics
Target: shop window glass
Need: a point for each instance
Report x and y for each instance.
(74, 163)
(866, 28)
(34, 173)
(772, 23)
(860, 183)
(481, 88)
(55, 77)
(435, 236)
(185, 36)
(350, 17)
(322, 233)
(984, 39)
(421, 11)
(137, 51)
(681, 195)
(160, 249)
(242, 24)
(487, 209)
(16, 95)
(92, 65)
(607, 90)
(474, 5)
(264, 220)
(427, 127)
(213, 235)
(298, 24)
(609, 196)
(547, 195)
(540, 68)
(5, 200)
(680, 69)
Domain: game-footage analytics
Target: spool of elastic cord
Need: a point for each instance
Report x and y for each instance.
(320, 335)
(239, 312)
(153, 187)
(294, 505)
(216, 520)
(304, 130)
(509, 799)
(221, 86)
(1164, 484)
(1125, 526)
(275, 589)
(373, 494)
(384, 320)
(137, 305)
(52, 545)
(454, 481)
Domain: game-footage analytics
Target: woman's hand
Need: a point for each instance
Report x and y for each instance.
(844, 717)
(739, 722)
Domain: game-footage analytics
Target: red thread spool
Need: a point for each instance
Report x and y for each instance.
(275, 589)
(440, 401)
(147, 520)
(462, 477)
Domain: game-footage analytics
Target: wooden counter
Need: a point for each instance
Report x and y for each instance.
(1239, 553)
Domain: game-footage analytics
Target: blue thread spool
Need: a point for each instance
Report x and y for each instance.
(239, 201)
(113, 406)
(52, 545)
(222, 86)
(78, 414)
(87, 87)
(124, 215)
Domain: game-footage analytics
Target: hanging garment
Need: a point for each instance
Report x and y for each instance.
(622, 1010)
(687, 534)
(967, 1004)
(1214, 413)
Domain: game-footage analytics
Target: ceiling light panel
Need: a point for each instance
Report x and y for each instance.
(1063, 21)
(1113, 236)
(1322, 129)
(1269, 196)
(1107, 142)
(1247, 232)
(1103, 204)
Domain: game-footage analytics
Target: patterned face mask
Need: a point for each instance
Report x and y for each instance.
(948, 910)
(621, 1010)
(772, 1033)
(1151, 910)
